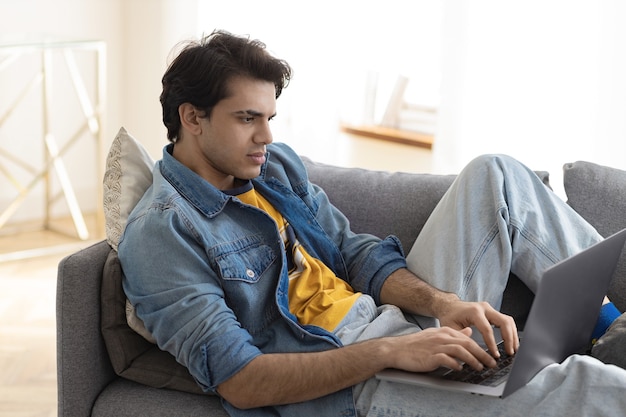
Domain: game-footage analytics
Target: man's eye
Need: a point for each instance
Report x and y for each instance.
(248, 119)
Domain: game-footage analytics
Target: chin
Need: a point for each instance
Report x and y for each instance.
(254, 173)
(249, 175)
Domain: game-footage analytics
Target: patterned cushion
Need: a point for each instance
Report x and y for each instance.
(127, 176)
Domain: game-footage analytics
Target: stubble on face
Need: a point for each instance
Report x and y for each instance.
(230, 144)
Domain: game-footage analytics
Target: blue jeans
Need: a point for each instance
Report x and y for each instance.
(496, 218)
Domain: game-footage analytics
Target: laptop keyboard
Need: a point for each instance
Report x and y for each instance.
(488, 376)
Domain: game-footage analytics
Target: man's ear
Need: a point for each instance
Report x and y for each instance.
(190, 118)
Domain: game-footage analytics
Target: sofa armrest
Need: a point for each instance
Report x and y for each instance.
(83, 367)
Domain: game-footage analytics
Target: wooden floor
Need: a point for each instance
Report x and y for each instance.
(27, 338)
(28, 268)
(28, 263)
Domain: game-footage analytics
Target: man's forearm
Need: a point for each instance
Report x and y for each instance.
(283, 378)
(414, 295)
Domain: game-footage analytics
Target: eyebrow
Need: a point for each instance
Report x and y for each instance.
(253, 113)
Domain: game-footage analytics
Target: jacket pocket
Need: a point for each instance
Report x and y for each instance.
(245, 261)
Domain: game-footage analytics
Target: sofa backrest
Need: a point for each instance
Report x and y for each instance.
(598, 193)
(381, 203)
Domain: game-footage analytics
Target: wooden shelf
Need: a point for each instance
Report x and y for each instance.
(423, 140)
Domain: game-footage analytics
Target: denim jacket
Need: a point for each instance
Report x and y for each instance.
(208, 273)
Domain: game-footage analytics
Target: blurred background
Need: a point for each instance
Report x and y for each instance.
(540, 80)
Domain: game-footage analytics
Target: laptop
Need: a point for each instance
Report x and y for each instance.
(560, 322)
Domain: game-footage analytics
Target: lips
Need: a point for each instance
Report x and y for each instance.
(257, 157)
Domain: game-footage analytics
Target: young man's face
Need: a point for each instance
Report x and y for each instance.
(231, 142)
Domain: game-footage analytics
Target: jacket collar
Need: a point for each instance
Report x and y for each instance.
(192, 187)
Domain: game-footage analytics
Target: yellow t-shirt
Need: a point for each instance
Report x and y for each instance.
(316, 295)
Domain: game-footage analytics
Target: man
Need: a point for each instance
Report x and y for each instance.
(245, 272)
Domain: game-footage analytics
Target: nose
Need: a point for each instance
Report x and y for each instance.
(264, 133)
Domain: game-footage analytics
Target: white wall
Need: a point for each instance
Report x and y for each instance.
(153, 28)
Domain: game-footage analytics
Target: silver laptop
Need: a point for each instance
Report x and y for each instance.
(561, 320)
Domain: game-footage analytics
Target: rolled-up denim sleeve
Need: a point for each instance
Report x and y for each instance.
(178, 296)
(369, 260)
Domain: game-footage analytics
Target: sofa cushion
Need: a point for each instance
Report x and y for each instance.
(406, 199)
(598, 193)
(123, 398)
(132, 356)
(127, 176)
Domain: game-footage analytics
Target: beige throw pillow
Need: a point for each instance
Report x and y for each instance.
(127, 176)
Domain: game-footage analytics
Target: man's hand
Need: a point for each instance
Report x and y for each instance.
(460, 314)
(412, 294)
(432, 348)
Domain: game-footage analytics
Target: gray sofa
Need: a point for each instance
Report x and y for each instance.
(89, 381)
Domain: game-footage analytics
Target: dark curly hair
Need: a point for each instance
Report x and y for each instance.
(199, 75)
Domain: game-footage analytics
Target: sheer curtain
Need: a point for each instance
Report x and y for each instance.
(540, 80)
